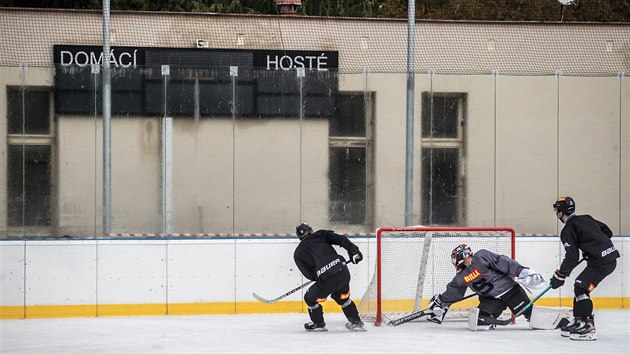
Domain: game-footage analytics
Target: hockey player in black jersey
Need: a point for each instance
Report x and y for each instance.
(318, 260)
(491, 276)
(593, 238)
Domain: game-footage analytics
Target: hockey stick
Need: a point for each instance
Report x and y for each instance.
(489, 320)
(272, 301)
(419, 314)
(509, 320)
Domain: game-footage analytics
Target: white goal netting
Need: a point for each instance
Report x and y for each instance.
(414, 263)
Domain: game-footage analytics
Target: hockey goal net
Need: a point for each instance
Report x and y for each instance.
(413, 263)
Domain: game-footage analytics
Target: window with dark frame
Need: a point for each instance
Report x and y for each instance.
(350, 166)
(30, 157)
(442, 187)
(347, 185)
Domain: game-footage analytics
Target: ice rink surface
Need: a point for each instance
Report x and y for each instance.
(283, 333)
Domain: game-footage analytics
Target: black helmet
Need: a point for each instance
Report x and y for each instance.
(303, 230)
(459, 255)
(565, 205)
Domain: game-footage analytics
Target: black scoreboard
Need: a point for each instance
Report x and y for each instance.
(265, 82)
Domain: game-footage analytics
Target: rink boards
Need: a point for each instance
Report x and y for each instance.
(128, 277)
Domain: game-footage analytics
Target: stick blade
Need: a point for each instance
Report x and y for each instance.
(408, 318)
(263, 300)
(393, 324)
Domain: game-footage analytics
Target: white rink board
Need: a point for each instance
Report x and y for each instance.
(132, 272)
(201, 271)
(257, 268)
(62, 272)
(12, 273)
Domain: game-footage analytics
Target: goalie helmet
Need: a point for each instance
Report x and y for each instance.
(459, 255)
(303, 230)
(565, 205)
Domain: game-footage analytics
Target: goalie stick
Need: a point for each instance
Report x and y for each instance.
(489, 320)
(272, 301)
(419, 314)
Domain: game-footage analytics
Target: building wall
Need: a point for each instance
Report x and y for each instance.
(528, 138)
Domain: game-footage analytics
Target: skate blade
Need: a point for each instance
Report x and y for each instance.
(583, 337)
(359, 329)
(317, 330)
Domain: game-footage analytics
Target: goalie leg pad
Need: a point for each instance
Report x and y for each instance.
(544, 317)
(473, 316)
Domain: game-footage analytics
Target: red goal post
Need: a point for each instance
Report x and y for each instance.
(413, 263)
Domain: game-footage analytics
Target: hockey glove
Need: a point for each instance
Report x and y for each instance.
(438, 308)
(356, 257)
(557, 280)
(530, 278)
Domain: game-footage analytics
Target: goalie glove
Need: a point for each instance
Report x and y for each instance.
(356, 257)
(530, 278)
(438, 310)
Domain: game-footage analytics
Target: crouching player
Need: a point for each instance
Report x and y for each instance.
(490, 275)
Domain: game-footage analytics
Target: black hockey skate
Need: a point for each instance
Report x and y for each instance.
(584, 330)
(484, 325)
(477, 322)
(315, 327)
(355, 326)
(565, 330)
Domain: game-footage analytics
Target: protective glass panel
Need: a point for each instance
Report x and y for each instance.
(28, 111)
(78, 158)
(201, 169)
(266, 150)
(348, 185)
(520, 116)
(601, 144)
(440, 190)
(350, 119)
(445, 132)
(29, 185)
(203, 143)
(441, 114)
